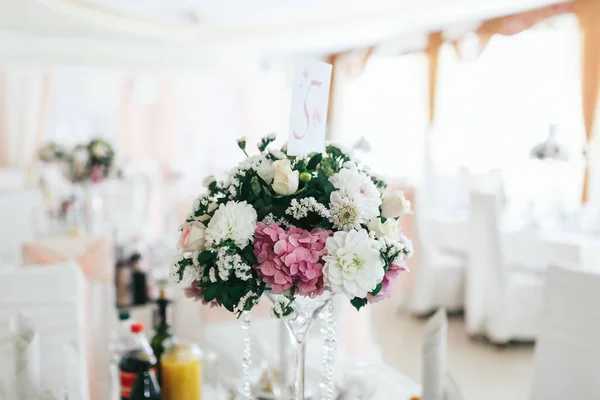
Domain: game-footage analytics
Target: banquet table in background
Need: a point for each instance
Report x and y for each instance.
(96, 257)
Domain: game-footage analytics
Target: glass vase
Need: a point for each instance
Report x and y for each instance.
(306, 311)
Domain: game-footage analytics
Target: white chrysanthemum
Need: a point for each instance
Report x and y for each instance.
(232, 220)
(358, 186)
(345, 214)
(353, 264)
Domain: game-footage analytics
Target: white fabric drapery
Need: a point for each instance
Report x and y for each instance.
(24, 93)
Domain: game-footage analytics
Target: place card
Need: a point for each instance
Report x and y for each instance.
(308, 112)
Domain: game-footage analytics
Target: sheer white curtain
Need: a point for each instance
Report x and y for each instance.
(24, 99)
(84, 104)
(387, 105)
(494, 108)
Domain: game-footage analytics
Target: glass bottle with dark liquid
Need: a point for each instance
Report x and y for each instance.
(135, 361)
(145, 386)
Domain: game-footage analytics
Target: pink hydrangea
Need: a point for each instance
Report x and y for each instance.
(389, 281)
(291, 258)
(97, 173)
(195, 292)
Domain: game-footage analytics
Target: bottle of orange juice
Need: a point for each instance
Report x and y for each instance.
(181, 366)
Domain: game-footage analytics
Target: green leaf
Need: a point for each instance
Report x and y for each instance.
(227, 302)
(377, 289)
(358, 303)
(210, 292)
(205, 256)
(314, 161)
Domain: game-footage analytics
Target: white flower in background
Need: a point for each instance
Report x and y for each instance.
(345, 214)
(395, 204)
(100, 150)
(266, 171)
(233, 220)
(353, 264)
(192, 238)
(80, 156)
(390, 229)
(282, 308)
(286, 180)
(359, 187)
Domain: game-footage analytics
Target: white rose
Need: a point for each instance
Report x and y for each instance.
(192, 238)
(395, 204)
(389, 229)
(80, 157)
(286, 180)
(266, 171)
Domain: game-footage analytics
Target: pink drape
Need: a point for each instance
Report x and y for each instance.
(147, 131)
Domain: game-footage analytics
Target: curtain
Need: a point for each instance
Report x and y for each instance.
(24, 95)
(588, 14)
(434, 44)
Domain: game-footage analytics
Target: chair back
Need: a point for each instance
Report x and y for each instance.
(21, 219)
(567, 350)
(52, 298)
(485, 272)
(434, 356)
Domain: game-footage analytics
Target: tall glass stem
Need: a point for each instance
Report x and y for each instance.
(299, 369)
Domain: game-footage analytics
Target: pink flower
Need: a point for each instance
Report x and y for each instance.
(97, 173)
(389, 281)
(291, 258)
(195, 292)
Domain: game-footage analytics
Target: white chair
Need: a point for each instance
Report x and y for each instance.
(21, 219)
(53, 299)
(503, 301)
(12, 179)
(440, 277)
(567, 351)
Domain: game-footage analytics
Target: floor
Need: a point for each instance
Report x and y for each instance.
(482, 370)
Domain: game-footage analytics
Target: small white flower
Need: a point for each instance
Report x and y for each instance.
(278, 154)
(395, 204)
(271, 136)
(300, 208)
(208, 180)
(232, 220)
(266, 171)
(353, 264)
(190, 274)
(282, 308)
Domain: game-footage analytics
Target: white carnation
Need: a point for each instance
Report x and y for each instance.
(353, 264)
(233, 220)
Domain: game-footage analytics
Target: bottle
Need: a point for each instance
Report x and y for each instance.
(121, 341)
(139, 280)
(163, 330)
(146, 386)
(134, 360)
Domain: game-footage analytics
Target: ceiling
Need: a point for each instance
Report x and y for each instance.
(180, 31)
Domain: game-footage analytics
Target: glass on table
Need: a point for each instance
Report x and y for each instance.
(181, 366)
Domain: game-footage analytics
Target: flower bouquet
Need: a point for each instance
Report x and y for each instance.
(297, 228)
(92, 162)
